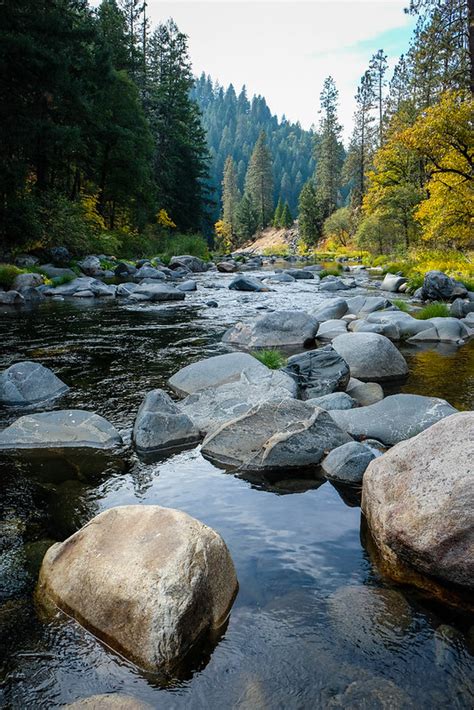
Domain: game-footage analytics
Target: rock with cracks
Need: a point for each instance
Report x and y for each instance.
(318, 372)
(294, 329)
(147, 580)
(161, 425)
(29, 382)
(213, 372)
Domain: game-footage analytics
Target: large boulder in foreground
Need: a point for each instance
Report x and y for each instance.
(211, 407)
(318, 372)
(294, 329)
(160, 425)
(213, 372)
(29, 382)
(147, 580)
(419, 502)
(371, 357)
(273, 436)
(62, 429)
(393, 419)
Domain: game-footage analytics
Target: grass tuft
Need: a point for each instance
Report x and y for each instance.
(270, 357)
(401, 305)
(433, 310)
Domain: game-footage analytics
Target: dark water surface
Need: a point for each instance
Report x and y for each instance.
(314, 624)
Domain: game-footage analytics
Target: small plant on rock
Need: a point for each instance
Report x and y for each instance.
(434, 310)
(271, 357)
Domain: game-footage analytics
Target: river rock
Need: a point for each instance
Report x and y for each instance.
(300, 274)
(156, 293)
(186, 286)
(60, 256)
(149, 272)
(318, 372)
(406, 325)
(54, 272)
(332, 308)
(213, 372)
(363, 305)
(279, 329)
(419, 500)
(191, 263)
(64, 428)
(161, 425)
(280, 278)
(227, 267)
(347, 463)
(212, 407)
(371, 357)
(27, 281)
(29, 382)
(334, 400)
(274, 435)
(11, 298)
(332, 284)
(114, 701)
(83, 283)
(392, 282)
(364, 393)
(393, 419)
(437, 286)
(146, 579)
(386, 328)
(444, 330)
(90, 266)
(124, 290)
(460, 307)
(330, 329)
(247, 283)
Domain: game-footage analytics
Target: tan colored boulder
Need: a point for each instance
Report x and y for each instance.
(418, 499)
(146, 580)
(114, 701)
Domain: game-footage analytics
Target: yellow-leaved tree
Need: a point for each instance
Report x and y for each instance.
(223, 231)
(164, 220)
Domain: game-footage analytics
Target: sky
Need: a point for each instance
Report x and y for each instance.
(284, 50)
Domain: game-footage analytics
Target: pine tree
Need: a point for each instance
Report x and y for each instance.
(286, 218)
(259, 181)
(378, 67)
(329, 153)
(247, 219)
(362, 142)
(278, 213)
(230, 197)
(310, 218)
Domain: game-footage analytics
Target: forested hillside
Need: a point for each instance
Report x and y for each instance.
(233, 123)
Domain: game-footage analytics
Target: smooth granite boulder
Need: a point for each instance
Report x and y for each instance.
(156, 293)
(363, 305)
(334, 400)
(347, 463)
(406, 325)
(149, 272)
(392, 283)
(330, 329)
(149, 581)
(11, 298)
(364, 393)
(274, 436)
(27, 281)
(161, 425)
(27, 383)
(300, 274)
(371, 357)
(443, 330)
(192, 263)
(90, 265)
(419, 502)
(213, 372)
(334, 284)
(318, 372)
(273, 330)
(330, 309)
(394, 419)
(247, 283)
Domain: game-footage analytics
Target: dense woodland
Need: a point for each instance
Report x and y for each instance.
(109, 143)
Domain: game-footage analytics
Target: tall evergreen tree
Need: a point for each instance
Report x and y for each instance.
(362, 142)
(286, 218)
(230, 196)
(247, 219)
(310, 218)
(278, 213)
(329, 150)
(378, 67)
(259, 181)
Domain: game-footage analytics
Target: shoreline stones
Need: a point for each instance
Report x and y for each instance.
(147, 580)
(60, 429)
(27, 383)
(213, 371)
(161, 425)
(273, 330)
(418, 499)
(371, 357)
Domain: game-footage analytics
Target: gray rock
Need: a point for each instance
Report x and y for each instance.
(68, 428)
(212, 407)
(394, 419)
(161, 425)
(313, 267)
(460, 307)
(149, 272)
(156, 293)
(330, 309)
(444, 330)
(405, 323)
(60, 256)
(280, 278)
(247, 283)
(83, 283)
(300, 274)
(387, 328)
(273, 330)
(227, 267)
(27, 281)
(54, 272)
(334, 284)
(188, 285)
(124, 290)
(90, 266)
(364, 393)
(26, 260)
(371, 357)
(437, 286)
(11, 298)
(335, 400)
(363, 305)
(124, 270)
(32, 296)
(347, 463)
(318, 372)
(83, 294)
(213, 372)
(392, 283)
(274, 435)
(29, 382)
(330, 329)
(419, 500)
(192, 263)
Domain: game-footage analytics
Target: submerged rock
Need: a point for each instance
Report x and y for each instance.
(148, 580)
(273, 330)
(11, 298)
(114, 701)
(214, 371)
(318, 372)
(161, 425)
(29, 382)
(394, 419)
(419, 500)
(371, 356)
(274, 435)
(64, 428)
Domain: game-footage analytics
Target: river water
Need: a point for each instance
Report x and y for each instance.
(314, 625)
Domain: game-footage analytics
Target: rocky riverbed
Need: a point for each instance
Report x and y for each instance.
(292, 531)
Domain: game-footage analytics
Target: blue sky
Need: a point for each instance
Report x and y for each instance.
(284, 50)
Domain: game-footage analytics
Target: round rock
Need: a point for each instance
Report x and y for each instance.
(29, 382)
(371, 357)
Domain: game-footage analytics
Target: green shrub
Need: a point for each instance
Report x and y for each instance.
(433, 310)
(61, 280)
(401, 305)
(331, 271)
(415, 282)
(8, 273)
(468, 283)
(272, 358)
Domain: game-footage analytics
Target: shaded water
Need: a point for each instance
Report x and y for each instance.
(314, 624)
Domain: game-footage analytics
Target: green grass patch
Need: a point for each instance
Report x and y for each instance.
(271, 357)
(61, 280)
(468, 283)
(401, 305)
(8, 273)
(331, 271)
(433, 310)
